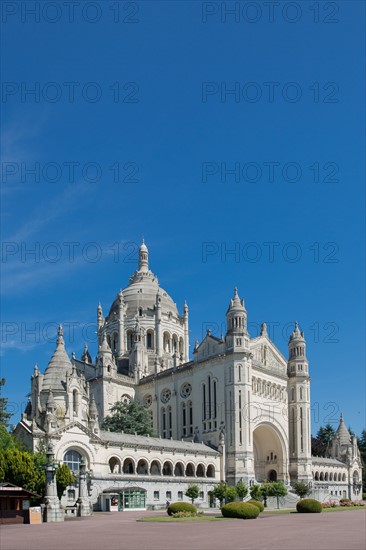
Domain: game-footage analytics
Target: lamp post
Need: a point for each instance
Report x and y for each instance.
(53, 510)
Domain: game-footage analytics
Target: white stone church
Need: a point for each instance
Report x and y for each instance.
(238, 410)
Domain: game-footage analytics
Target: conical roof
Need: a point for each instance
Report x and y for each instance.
(55, 374)
(342, 433)
(236, 304)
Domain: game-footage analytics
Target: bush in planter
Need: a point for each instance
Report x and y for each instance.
(257, 503)
(241, 510)
(309, 505)
(181, 507)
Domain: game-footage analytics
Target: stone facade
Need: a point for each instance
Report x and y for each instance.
(238, 410)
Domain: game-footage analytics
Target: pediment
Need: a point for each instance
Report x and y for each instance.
(76, 428)
(209, 347)
(266, 353)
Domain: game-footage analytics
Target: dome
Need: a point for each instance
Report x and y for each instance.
(142, 291)
(142, 294)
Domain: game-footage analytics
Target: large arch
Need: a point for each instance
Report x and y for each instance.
(270, 455)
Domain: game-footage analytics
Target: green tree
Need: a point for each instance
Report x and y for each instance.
(192, 491)
(230, 493)
(320, 444)
(21, 468)
(64, 478)
(362, 446)
(4, 414)
(129, 418)
(274, 489)
(224, 492)
(255, 492)
(301, 488)
(9, 441)
(241, 489)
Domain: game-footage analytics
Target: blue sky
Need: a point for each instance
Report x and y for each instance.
(205, 132)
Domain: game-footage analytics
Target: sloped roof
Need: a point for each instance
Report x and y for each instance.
(157, 442)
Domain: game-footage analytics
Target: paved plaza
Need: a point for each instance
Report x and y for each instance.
(333, 531)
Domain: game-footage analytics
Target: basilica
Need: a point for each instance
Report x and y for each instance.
(236, 410)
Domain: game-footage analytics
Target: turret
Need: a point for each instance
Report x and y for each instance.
(105, 358)
(237, 337)
(299, 407)
(143, 257)
(100, 320)
(93, 416)
(121, 324)
(186, 333)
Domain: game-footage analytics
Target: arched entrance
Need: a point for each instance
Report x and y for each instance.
(272, 475)
(270, 456)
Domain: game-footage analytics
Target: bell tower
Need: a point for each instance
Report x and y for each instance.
(299, 407)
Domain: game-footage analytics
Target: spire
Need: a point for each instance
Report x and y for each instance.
(86, 357)
(297, 334)
(58, 367)
(236, 303)
(105, 348)
(264, 329)
(143, 257)
(342, 432)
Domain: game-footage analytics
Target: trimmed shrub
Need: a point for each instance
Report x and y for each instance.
(241, 510)
(181, 507)
(257, 503)
(341, 500)
(309, 505)
(363, 496)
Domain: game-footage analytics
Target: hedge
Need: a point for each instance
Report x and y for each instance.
(181, 507)
(257, 503)
(241, 510)
(309, 505)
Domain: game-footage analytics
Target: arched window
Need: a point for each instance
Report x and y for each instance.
(128, 466)
(169, 422)
(179, 469)
(114, 465)
(142, 467)
(321, 476)
(150, 339)
(166, 342)
(331, 476)
(200, 470)
(344, 477)
(75, 402)
(190, 470)
(316, 476)
(129, 339)
(326, 476)
(163, 422)
(72, 460)
(339, 477)
(155, 469)
(167, 469)
(210, 471)
(115, 341)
